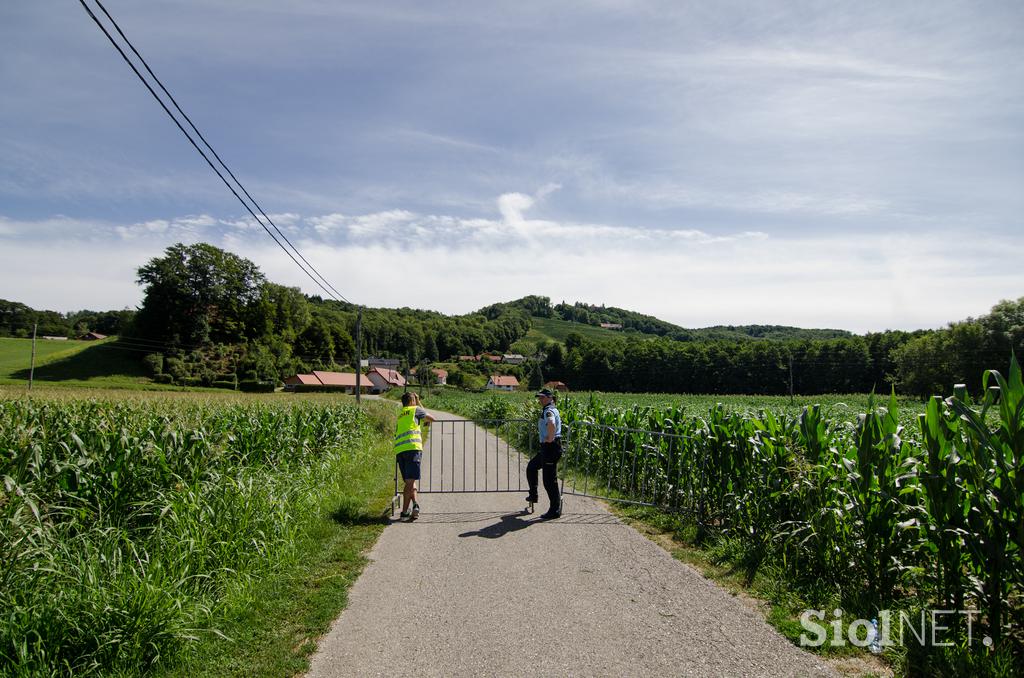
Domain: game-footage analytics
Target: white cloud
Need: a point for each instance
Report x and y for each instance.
(844, 282)
(689, 276)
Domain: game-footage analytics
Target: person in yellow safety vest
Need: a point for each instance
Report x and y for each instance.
(409, 450)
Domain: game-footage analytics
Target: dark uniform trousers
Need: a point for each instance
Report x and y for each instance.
(547, 459)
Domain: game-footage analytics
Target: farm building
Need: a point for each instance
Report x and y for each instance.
(327, 381)
(557, 386)
(295, 382)
(513, 359)
(503, 383)
(92, 336)
(386, 363)
(384, 379)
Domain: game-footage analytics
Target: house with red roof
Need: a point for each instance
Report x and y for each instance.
(385, 379)
(327, 381)
(503, 383)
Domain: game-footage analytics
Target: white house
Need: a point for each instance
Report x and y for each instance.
(502, 383)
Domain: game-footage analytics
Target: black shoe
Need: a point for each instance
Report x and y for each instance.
(531, 499)
(550, 516)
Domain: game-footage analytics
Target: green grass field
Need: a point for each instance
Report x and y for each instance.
(102, 364)
(16, 354)
(551, 328)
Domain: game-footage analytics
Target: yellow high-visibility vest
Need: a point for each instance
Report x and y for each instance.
(407, 432)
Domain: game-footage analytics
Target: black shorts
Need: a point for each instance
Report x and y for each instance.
(409, 464)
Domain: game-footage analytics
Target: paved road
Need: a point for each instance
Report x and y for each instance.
(476, 588)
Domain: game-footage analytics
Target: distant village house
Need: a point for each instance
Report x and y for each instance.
(557, 386)
(385, 379)
(502, 383)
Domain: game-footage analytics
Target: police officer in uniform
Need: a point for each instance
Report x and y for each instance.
(549, 428)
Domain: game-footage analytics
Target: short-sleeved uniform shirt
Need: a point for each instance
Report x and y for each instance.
(549, 413)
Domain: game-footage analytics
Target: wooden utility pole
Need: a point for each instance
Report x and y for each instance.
(32, 364)
(359, 354)
(790, 378)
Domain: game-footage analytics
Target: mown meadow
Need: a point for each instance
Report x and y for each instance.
(859, 503)
(132, 528)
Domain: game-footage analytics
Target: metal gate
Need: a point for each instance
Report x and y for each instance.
(462, 456)
(634, 466)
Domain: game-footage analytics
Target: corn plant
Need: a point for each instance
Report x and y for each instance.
(995, 473)
(947, 501)
(124, 524)
(880, 479)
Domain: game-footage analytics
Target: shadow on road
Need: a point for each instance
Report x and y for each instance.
(510, 522)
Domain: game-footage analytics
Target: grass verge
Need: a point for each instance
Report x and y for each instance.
(271, 626)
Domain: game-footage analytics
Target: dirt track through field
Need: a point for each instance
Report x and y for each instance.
(476, 588)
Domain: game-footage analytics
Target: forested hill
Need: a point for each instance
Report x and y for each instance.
(593, 315)
(210, 317)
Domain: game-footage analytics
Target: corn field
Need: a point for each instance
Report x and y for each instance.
(123, 525)
(888, 515)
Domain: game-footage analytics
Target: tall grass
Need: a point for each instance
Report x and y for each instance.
(124, 525)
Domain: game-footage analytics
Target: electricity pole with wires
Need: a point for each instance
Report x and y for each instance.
(359, 354)
(32, 364)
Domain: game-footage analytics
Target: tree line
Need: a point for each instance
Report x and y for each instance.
(211, 317)
(19, 320)
(913, 363)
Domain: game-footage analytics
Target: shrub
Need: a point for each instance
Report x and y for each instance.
(154, 362)
(252, 386)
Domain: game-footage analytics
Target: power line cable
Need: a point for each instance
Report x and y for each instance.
(214, 152)
(200, 150)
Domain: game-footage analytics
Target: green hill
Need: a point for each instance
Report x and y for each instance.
(544, 330)
(80, 363)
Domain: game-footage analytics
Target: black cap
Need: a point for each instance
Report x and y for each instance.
(546, 392)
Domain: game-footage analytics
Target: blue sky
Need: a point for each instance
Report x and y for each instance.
(824, 164)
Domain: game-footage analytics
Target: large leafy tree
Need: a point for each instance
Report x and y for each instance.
(197, 294)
